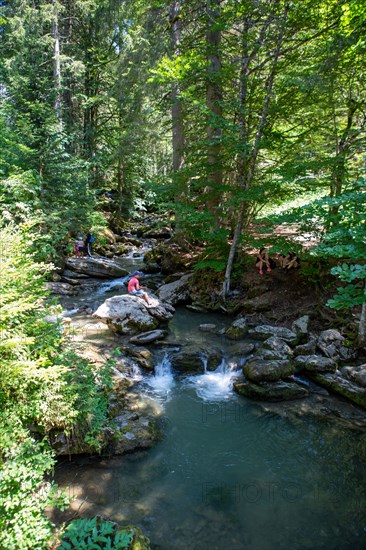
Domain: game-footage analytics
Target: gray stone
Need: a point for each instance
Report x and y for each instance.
(262, 332)
(64, 289)
(151, 267)
(330, 335)
(340, 385)
(97, 266)
(275, 348)
(73, 274)
(208, 327)
(73, 282)
(331, 343)
(315, 363)
(128, 314)
(259, 370)
(242, 348)
(133, 432)
(193, 360)
(148, 337)
(142, 356)
(162, 312)
(238, 329)
(275, 391)
(301, 327)
(306, 349)
(356, 374)
(177, 291)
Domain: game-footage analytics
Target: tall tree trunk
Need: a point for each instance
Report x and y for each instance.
(214, 107)
(119, 188)
(57, 65)
(248, 166)
(342, 147)
(177, 111)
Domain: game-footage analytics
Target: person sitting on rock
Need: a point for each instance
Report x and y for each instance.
(263, 263)
(135, 289)
(291, 261)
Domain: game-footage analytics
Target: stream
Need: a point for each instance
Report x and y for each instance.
(226, 474)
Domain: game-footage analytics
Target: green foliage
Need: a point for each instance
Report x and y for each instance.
(24, 493)
(88, 534)
(44, 387)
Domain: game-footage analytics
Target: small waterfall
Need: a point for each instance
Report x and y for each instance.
(163, 380)
(204, 362)
(215, 385)
(69, 312)
(131, 371)
(116, 284)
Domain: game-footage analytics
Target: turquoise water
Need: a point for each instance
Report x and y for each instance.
(226, 474)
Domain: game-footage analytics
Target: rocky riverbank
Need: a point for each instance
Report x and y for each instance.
(284, 358)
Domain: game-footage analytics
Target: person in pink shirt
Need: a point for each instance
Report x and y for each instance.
(134, 287)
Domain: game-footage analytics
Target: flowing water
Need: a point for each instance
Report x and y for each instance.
(226, 474)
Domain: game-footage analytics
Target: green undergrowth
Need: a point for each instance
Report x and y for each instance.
(45, 388)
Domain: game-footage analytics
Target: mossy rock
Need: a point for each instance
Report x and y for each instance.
(341, 386)
(258, 370)
(271, 391)
(168, 257)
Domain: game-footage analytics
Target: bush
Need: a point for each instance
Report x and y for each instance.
(44, 386)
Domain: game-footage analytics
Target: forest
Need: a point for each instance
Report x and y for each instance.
(216, 117)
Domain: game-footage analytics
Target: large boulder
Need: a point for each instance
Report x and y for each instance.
(129, 314)
(259, 370)
(99, 267)
(274, 391)
(177, 291)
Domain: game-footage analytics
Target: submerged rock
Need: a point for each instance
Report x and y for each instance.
(208, 327)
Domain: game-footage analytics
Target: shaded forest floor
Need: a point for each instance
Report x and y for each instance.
(278, 297)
